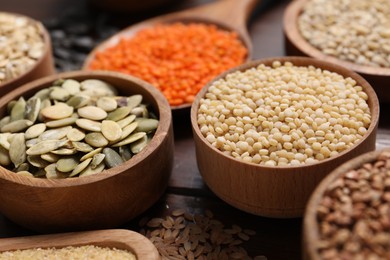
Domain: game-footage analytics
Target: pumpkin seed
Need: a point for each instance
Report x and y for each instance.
(33, 106)
(32, 142)
(140, 111)
(127, 130)
(37, 161)
(61, 122)
(16, 126)
(10, 105)
(25, 173)
(42, 94)
(55, 134)
(5, 160)
(130, 139)
(35, 131)
(17, 149)
(96, 139)
(52, 173)
(134, 101)
(59, 93)
(67, 164)
(91, 154)
(80, 167)
(92, 113)
(112, 158)
(57, 111)
(64, 151)
(97, 159)
(82, 147)
(147, 125)
(107, 103)
(40, 173)
(75, 135)
(44, 103)
(45, 147)
(89, 125)
(139, 145)
(124, 152)
(98, 87)
(78, 101)
(22, 167)
(50, 157)
(89, 171)
(72, 86)
(17, 111)
(111, 130)
(126, 121)
(4, 140)
(5, 120)
(118, 113)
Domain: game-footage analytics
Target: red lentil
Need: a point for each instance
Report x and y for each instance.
(178, 59)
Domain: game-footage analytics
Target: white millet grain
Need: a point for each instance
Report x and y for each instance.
(284, 114)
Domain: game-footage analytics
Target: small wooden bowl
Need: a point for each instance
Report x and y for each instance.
(44, 66)
(280, 191)
(310, 223)
(296, 45)
(122, 239)
(102, 200)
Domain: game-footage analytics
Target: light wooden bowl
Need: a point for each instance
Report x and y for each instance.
(279, 191)
(44, 66)
(102, 200)
(296, 44)
(127, 240)
(310, 223)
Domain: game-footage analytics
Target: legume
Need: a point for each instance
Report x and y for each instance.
(69, 252)
(354, 213)
(353, 30)
(21, 45)
(284, 114)
(178, 59)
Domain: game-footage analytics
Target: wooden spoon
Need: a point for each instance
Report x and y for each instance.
(230, 15)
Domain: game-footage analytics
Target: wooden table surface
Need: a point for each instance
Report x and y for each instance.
(275, 238)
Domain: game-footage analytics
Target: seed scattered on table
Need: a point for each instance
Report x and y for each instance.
(283, 114)
(74, 137)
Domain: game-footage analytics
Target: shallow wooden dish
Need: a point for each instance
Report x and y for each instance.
(310, 223)
(280, 192)
(230, 15)
(123, 239)
(103, 200)
(43, 66)
(295, 44)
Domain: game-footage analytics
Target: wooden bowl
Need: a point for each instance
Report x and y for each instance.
(296, 45)
(44, 66)
(98, 201)
(122, 239)
(310, 224)
(279, 191)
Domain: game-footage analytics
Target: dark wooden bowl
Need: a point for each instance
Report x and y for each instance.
(102, 200)
(295, 44)
(44, 66)
(279, 191)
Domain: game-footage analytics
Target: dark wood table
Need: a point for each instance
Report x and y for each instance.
(275, 238)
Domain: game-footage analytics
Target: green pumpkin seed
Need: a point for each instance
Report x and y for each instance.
(89, 125)
(139, 145)
(91, 154)
(45, 147)
(5, 120)
(57, 111)
(32, 142)
(44, 103)
(140, 111)
(130, 139)
(72, 86)
(52, 173)
(50, 157)
(40, 173)
(97, 159)
(118, 113)
(37, 161)
(42, 94)
(127, 130)
(61, 122)
(33, 106)
(111, 130)
(89, 171)
(35, 130)
(78, 101)
(75, 135)
(92, 113)
(107, 103)
(5, 160)
(55, 134)
(82, 147)
(22, 167)
(25, 173)
(59, 93)
(67, 164)
(126, 121)
(80, 167)
(16, 126)
(58, 82)
(147, 125)
(96, 139)
(4, 140)
(64, 151)
(112, 158)
(98, 87)
(124, 152)
(134, 101)
(17, 111)
(10, 105)
(17, 149)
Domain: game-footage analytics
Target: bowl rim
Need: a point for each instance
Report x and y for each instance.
(307, 61)
(165, 118)
(46, 48)
(290, 28)
(310, 224)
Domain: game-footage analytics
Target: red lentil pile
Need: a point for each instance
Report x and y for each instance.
(178, 59)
